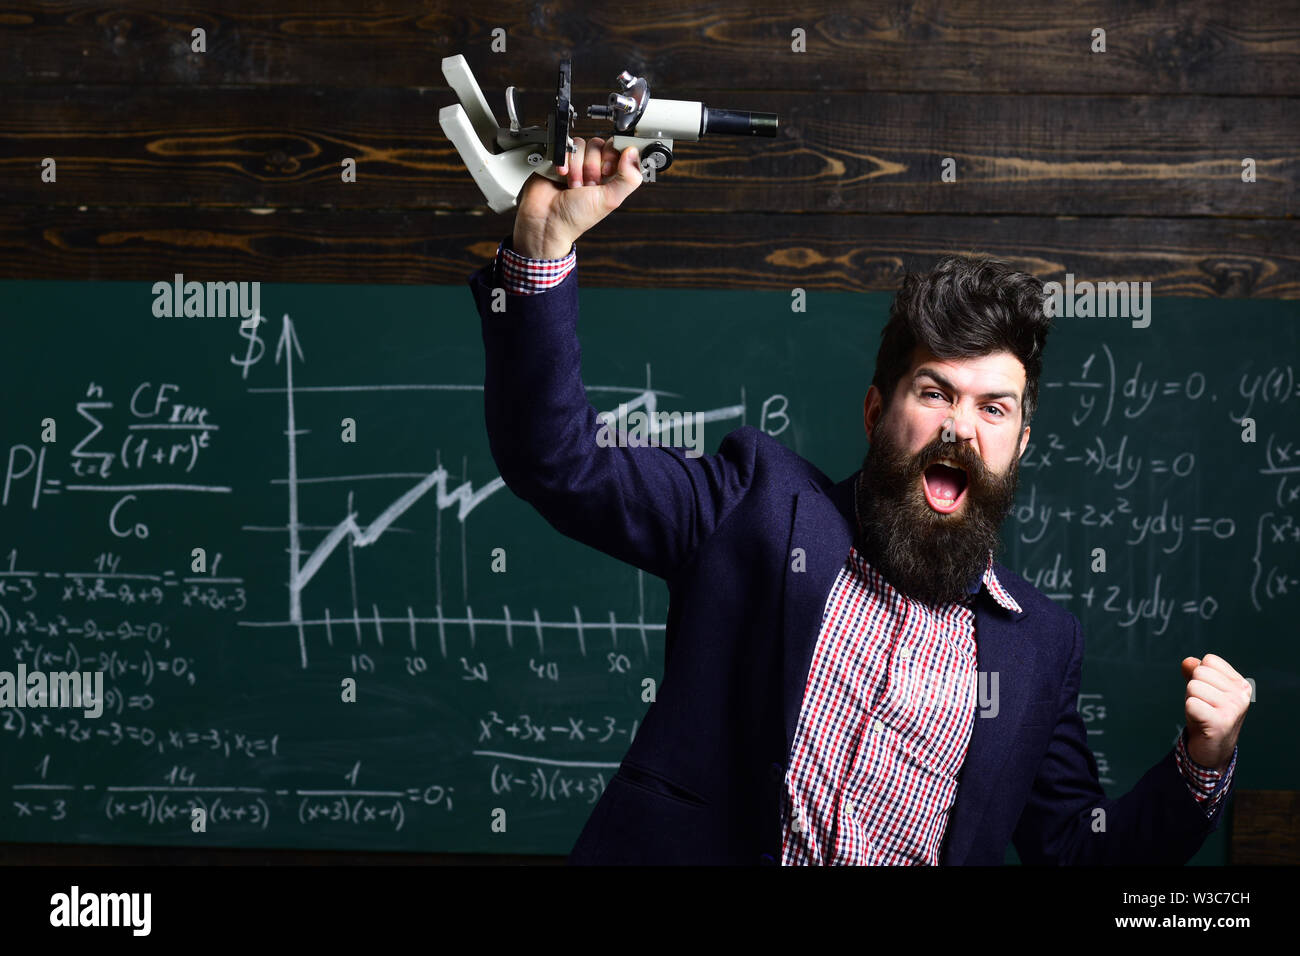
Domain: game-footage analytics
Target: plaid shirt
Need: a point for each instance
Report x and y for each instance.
(886, 719)
(523, 276)
(888, 707)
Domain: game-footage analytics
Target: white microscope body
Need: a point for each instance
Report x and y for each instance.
(502, 158)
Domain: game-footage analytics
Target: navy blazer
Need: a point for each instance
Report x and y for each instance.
(702, 781)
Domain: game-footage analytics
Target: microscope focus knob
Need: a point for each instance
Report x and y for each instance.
(658, 156)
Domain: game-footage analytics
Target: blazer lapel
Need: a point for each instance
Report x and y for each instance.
(1002, 648)
(823, 530)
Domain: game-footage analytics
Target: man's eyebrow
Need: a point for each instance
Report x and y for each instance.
(944, 383)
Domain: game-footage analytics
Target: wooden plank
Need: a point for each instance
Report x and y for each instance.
(633, 249)
(1265, 828)
(1049, 154)
(1194, 46)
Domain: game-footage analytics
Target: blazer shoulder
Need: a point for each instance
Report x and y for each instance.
(773, 461)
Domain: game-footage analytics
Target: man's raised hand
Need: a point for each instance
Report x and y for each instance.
(552, 216)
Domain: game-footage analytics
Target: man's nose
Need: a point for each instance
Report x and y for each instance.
(959, 427)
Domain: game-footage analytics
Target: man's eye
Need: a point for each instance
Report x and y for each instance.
(995, 409)
(929, 392)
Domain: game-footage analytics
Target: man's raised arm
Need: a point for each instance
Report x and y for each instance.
(648, 506)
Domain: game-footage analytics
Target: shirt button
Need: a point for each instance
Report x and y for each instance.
(905, 653)
(878, 727)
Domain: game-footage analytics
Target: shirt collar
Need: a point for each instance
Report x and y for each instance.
(995, 588)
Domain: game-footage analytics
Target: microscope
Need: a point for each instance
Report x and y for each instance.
(502, 158)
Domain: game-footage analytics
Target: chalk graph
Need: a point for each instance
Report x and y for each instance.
(351, 531)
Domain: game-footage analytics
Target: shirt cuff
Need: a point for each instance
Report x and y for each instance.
(521, 275)
(1206, 785)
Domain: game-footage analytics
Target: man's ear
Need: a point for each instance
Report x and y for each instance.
(872, 407)
(1024, 442)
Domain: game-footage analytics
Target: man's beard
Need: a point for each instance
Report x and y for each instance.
(931, 557)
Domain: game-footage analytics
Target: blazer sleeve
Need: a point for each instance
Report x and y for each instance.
(648, 506)
(1157, 822)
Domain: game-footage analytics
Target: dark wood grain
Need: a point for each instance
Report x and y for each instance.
(1023, 155)
(1265, 827)
(1192, 256)
(1195, 46)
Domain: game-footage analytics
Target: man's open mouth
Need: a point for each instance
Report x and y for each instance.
(945, 484)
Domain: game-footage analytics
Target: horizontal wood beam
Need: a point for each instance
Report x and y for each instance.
(845, 153)
(1191, 257)
(1193, 46)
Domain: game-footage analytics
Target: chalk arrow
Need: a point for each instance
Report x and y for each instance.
(288, 335)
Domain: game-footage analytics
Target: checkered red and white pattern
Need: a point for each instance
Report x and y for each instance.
(523, 276)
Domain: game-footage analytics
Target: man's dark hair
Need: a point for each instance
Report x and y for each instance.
(966, 306)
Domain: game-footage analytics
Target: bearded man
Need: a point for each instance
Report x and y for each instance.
(849, 675)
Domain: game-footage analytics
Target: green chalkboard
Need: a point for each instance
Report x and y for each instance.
(480, 687)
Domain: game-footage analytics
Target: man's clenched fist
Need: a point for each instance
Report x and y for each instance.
(1217, 700)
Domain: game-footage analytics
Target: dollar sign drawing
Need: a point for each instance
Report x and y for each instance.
(248, 330)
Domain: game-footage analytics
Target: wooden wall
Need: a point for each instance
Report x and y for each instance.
(1124, 165)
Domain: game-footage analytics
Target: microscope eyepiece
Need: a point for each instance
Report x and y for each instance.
(738, 122)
